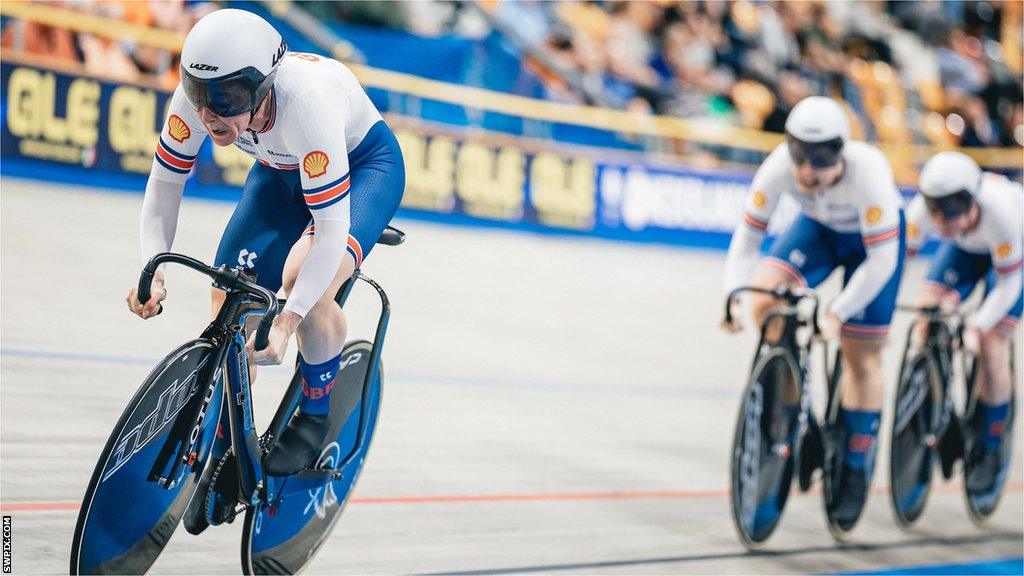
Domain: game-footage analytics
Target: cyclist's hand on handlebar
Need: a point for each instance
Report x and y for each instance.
(277, 340)
(735, 325)
(149, 309)
(972, 339)
(829, 326)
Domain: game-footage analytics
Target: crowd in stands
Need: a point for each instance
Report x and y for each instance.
(119, 60)
(942, 72)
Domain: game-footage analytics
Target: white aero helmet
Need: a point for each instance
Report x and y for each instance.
(229, 60)
(949, 182)
(816, 131)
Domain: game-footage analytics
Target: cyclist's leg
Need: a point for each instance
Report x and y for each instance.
(377, 183)
(994, 381)
(265, 224)
(799, 257)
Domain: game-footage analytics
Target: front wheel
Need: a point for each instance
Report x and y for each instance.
(918, 408)
(767, 429)
(283, 537)
(140, 488)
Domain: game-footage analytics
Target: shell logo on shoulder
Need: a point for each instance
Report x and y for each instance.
(912, 230)
(177, 128)
(873, 215)
(759, 199)
(315, 163)
(1003, 250)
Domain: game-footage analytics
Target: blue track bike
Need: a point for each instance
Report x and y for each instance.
(150, 472)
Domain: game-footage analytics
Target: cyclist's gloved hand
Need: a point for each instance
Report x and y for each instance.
(972, 339)
(277, 340)
(157, 294)
(736, 325)
(830, 326)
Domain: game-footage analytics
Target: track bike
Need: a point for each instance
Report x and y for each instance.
(778, 433)
(928, 428)
(150, 468)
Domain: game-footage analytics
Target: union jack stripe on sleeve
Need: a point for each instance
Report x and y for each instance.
(1009, 268)
(881, 236)
(328, 194)
(754, 222)
(173, 161)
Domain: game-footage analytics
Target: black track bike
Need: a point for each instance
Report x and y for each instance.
(928, 428)
(777, 432)
(149, 471)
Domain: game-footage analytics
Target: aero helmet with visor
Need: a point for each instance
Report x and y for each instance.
(229, 61)
(816, 131)
(949, 182)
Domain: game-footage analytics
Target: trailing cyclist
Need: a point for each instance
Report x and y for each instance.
(328, 177)
(981, 219)
(850, 216)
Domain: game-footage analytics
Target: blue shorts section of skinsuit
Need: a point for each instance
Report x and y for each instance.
(956, 271)
(809, 251)
(272, 214)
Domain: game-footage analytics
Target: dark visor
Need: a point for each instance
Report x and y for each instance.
(820, 154)
(951, 206)
(230, 95)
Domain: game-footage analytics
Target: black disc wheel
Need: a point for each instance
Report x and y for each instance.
(767, 430)
(140, 486)
(917, 410)
(981, 505)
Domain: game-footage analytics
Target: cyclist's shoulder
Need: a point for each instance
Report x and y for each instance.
(1002, 202)
(864, 156)
(302, 74)
(776, 171)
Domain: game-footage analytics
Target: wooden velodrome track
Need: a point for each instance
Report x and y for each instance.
(551, 404)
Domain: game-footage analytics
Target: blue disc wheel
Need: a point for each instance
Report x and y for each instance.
(282, 536)
(150, 466)
(918, 407)
(767, 429)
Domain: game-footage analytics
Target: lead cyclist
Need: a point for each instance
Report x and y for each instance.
(328, 177)
(981, 219)
(850, 216)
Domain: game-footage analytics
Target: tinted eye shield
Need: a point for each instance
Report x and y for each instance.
(225, 96)
(819, 154)
(951, 206)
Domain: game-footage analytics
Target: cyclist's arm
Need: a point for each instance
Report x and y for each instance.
(918, 224)
(176, 150)
(765, 192)
(880, 231)
(1007, 260)
(316, 131)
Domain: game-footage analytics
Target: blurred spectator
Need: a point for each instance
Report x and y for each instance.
(792, 89)
(41, 40)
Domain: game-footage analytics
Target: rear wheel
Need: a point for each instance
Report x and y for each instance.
(284, 537)
(133, 502)
(767, 430)
(981, 506)
(918, 408)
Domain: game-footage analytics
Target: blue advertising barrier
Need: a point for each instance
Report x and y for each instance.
(77, 129)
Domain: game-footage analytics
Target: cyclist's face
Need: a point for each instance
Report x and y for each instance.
(224, 130)
(811, 180)
(952, 227)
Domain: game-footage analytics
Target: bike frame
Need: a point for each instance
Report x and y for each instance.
(231, 366)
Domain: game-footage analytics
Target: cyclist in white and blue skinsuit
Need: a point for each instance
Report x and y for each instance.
(981, 219)
(329, 177)
(850, 217)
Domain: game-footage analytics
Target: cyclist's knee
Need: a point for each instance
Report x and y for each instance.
(862, 359)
